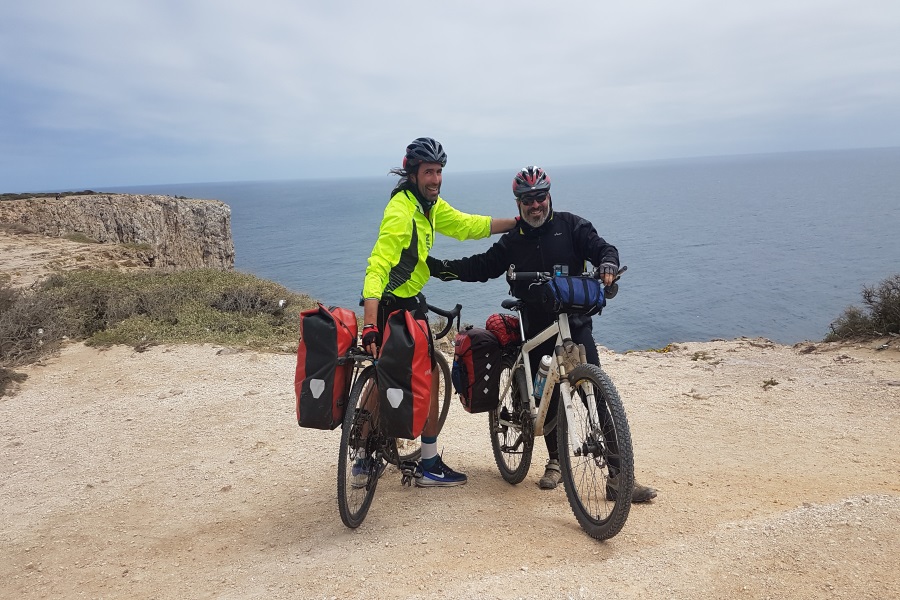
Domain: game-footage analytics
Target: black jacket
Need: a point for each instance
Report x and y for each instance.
(564, 239)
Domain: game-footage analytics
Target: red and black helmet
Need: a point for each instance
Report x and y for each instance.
(530, 180)
(424, 150)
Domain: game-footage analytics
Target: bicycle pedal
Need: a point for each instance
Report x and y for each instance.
(408, 471)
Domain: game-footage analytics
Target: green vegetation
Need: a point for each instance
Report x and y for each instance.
(16, 228)
(879, 316)
(28, 195)
(81, 238)
(146, 308)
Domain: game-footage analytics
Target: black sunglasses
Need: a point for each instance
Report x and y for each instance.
(529, 200)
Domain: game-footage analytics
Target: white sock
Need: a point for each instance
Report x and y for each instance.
(429, 450)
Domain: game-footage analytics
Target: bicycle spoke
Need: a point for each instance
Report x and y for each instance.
(360, 462)
(598, 470)
(411, 450)
(512, 438)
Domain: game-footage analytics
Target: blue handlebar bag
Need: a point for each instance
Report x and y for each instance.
(576, 295)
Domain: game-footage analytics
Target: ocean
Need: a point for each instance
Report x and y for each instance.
(773, 245)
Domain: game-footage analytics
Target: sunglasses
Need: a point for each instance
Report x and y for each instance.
(529, 200)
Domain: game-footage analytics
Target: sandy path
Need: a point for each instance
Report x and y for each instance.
(28, 257)
(181, 473)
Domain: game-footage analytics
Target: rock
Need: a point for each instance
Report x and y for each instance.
(180, 232)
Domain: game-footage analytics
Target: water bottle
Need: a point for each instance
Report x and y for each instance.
(540, 378)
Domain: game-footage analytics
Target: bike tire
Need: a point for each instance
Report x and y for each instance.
(510, 425)
(411, 450)
(599, 473)
(360, 439)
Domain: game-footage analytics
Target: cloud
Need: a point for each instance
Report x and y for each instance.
(144, 92)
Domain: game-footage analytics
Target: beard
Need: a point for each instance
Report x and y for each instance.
(429, 196)
(534, 219)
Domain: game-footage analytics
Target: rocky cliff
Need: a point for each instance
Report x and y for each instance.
(180, 232)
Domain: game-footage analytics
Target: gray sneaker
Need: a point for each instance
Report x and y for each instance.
(552, 475)
(640, 493)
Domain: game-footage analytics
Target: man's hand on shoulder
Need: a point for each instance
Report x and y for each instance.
(502, 225)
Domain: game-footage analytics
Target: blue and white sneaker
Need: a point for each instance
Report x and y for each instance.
(360, 472)
(438, 475)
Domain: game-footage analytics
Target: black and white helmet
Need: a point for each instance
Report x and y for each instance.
(424, 150)
(530, 180)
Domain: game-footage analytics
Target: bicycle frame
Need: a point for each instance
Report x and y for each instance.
(596, 459)
(566, 356)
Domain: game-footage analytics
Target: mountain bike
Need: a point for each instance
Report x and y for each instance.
(594, 441)
(365, 450)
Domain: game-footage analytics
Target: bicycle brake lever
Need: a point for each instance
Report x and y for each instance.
(612, 289)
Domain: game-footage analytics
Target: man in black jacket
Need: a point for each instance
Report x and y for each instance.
(547, 241)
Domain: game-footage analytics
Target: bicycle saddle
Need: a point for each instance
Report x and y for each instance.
(511, 304)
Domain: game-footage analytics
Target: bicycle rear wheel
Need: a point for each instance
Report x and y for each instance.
(362, 454)
(512, 431)
(412, 449)
(598, 471)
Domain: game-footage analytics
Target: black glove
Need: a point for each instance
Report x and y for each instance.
(612, 289)
(440, 269)
(606, 269)
(370, 336)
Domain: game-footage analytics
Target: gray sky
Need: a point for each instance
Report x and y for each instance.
(96, 93)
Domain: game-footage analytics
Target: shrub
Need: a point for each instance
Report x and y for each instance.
(16, 228)
(879, 316)
(7, 378)
(147, 307)
(80, 237)
(144, 308)
(29, 326)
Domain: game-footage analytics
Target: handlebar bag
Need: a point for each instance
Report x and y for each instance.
(404, 375)
(476, 369)
(321, 385)
(576, 295)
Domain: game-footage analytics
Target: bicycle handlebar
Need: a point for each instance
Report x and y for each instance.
(532, 277)
(449, 315)
(527, 277)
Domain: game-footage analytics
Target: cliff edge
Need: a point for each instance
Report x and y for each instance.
(179, 232)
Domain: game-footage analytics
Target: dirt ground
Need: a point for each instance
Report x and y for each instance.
(27, 257)
(180, 472)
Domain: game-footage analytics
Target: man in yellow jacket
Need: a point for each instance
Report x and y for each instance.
(397, 269)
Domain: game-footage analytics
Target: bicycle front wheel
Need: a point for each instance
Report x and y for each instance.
(512, 431)
(412, 449)
(361, 461)
(596, 458)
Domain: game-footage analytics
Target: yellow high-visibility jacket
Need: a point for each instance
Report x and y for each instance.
(397, 263)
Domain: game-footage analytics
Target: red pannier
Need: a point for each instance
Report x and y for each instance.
(505, 327)
(404, 375)
(321, 385)
(476, 369)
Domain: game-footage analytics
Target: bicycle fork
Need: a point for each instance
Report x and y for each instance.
(567, 357)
